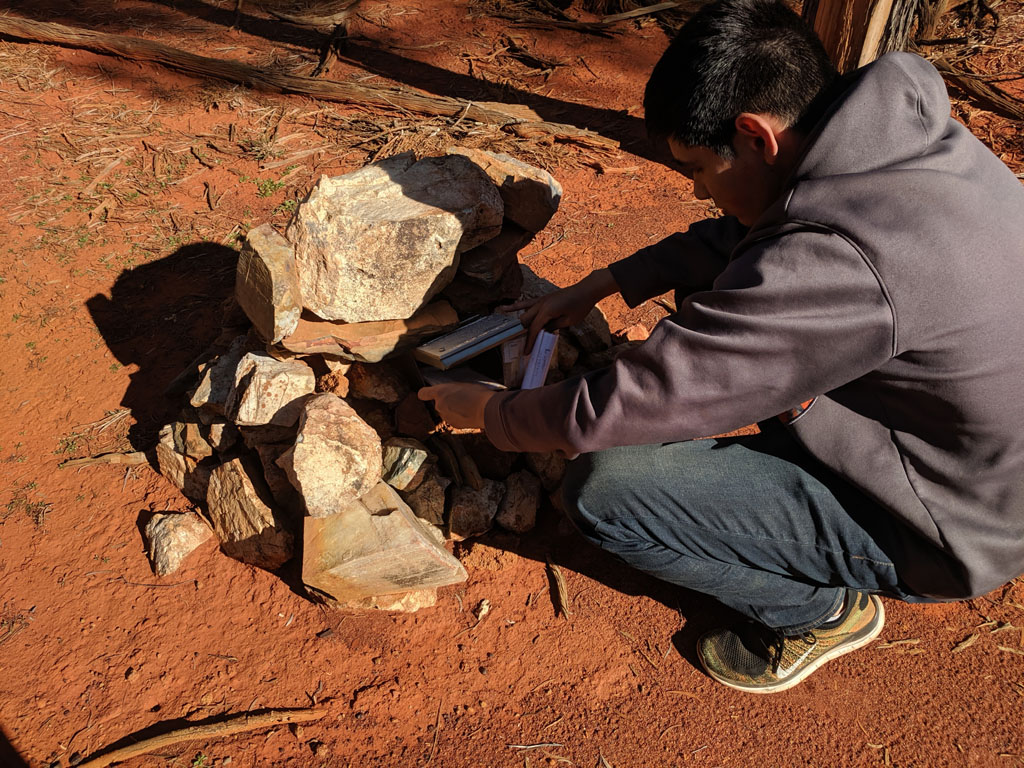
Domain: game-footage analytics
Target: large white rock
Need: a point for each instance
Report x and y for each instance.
(378, 243)
(172, 537)
(375, 546)
(267, 284)
(269, 391)
(336, 457)
(241, 511)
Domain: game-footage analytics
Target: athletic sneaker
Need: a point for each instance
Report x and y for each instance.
(754, 658)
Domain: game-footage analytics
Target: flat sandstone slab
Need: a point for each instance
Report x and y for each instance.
(376, 546)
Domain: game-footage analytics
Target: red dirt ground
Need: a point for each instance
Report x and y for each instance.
(111, 276)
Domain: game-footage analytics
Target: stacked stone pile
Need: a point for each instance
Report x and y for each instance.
(303, 435)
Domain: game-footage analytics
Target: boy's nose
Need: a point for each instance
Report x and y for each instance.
(700, 191)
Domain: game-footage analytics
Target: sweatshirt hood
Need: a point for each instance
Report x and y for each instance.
(892, 112)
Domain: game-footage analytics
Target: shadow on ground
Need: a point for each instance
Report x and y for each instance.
(160, 316)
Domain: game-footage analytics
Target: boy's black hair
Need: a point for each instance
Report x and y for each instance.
(736, 56)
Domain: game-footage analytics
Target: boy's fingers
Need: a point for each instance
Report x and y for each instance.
(516, 305)
(428, 393)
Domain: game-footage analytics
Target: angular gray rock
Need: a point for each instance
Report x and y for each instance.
(378, 243)
(269, 391)
(406, 462)
(530, 194)
(267, 283)
(374, 547)
(243, 516)
(336, 457)
(473, 511)
(518, 510)
(173, 536)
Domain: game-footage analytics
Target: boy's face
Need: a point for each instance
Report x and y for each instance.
(743, 186)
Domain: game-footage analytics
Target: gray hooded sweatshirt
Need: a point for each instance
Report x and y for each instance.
(886, 284)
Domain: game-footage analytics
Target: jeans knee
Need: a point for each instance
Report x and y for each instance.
(594, 487)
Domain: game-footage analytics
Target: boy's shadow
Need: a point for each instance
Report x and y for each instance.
(160, 316)
(556, 541)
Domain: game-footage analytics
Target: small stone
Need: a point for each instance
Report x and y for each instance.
(473, 511)
(185, 473)
(269, 391)
(378, 243)
(406, 462)
(374, 547)
(244, 518)
(267, 283)
(172, 537)
(637, 332)
(218, 379)
(489, 262)
(336, 457)
(427, 500)
(413, 419)
(334, 382)
(189, 440)
(549, 467)
(222, 436)
(402, 602)
(531, 195)
(518, 510)
(379, 381)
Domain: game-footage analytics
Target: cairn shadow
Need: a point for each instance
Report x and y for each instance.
(158, 317)
(9, 756)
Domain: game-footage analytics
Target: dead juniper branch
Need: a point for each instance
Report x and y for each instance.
(328, 90)
(231, 725)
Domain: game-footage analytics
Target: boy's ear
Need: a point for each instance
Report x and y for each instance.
(758, 133)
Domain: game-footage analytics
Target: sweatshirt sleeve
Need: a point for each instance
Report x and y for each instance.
(686, 261)
(791, 317)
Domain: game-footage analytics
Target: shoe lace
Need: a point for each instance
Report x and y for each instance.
(796, 645)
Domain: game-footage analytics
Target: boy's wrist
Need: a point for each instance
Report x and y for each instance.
(601, 284)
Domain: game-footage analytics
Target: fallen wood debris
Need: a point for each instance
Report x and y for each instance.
(520, 116)
(231, 725)
(132, 458)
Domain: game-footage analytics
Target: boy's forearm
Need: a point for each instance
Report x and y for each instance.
(600, 284)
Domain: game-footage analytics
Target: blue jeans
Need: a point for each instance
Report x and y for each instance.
(753, 521)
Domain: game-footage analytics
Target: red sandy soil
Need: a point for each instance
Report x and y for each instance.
(110, 284)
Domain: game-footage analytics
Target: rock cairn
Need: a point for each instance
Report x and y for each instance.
(303, 432)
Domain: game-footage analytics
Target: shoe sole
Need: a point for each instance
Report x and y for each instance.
(834, 653)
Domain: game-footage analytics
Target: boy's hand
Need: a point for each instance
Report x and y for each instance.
(461, 405)
(564, 307)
